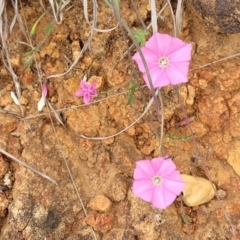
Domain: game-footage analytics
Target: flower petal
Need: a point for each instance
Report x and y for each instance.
(162, 198)
(80, 93)
(93, 86)
(175, 74)
(182, 68)
(143, 189)
(182, 54)
(159, 79)
(166, 168)
(87, 98)
(174, 183)
(157, 163)
(44, 90)
(144, 170)
(93, 91)
(150, 56)
(160, 43)
(84, 85)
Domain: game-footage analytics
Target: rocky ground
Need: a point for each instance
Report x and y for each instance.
(32, 207)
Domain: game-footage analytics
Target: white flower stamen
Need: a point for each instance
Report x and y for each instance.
(163, 62)
(157, 180)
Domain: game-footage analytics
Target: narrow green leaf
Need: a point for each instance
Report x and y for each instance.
(49, 28)
(34, 27)
(133, 88)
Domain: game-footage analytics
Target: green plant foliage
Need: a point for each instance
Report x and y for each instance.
(49, 28)
(140, 36)
(34, 27)
(173, 138)
(133, 88)
(181, 139)
(29, 57)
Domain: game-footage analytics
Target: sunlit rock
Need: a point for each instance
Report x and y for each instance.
(197, 190)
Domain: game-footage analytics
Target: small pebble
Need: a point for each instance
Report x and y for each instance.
(197, 190)
(221, 193)
(100, 203)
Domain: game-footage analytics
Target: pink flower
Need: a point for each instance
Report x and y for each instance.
(43, 99)
(167, 59)
(157, 181)
(87, 91)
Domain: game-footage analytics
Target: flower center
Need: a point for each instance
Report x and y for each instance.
(163, 62)
(157, 180)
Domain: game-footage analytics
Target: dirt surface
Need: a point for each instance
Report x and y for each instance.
(32, 207)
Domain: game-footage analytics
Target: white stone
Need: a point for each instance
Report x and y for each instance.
(197, 190)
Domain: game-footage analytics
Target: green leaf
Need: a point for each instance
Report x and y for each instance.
(133, 88)
(140, 36)
(34, 27)
(28, 57)
(49, 28)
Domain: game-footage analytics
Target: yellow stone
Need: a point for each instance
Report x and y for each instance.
(197, 190)
(100, 203)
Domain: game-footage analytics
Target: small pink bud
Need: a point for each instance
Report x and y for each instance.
(44, 90)
(42, 101)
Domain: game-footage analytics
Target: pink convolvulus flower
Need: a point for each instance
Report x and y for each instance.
(42, 101)
(157, 181)
(87, 91)
(167, 59)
